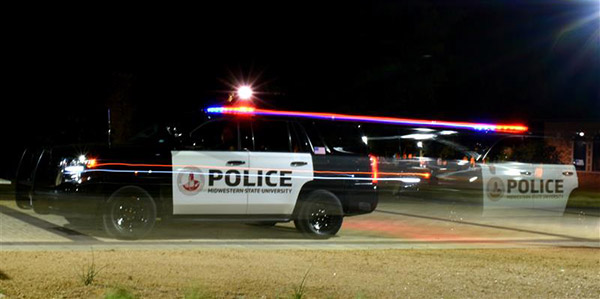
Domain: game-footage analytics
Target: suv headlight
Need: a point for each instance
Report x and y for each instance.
(72, 169)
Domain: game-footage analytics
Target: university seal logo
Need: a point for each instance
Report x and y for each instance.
(190, 180)
(495, 188)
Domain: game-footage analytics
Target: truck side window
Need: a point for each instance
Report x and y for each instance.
(313, 137)
(246, 137)
(343, 137)
(443, 150)
(218, 135)
(525, 150)
(300, 142)
(271, 136)
(504, 151)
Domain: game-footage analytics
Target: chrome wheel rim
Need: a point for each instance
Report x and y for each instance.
(320, 218)
(130, 214)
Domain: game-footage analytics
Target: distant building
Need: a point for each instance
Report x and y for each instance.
(577, 143)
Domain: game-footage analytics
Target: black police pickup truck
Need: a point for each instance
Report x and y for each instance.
(244, 168)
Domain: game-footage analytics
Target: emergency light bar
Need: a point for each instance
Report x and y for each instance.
(244, 110)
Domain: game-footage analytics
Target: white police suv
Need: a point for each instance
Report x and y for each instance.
(243, 168)
(503, 174)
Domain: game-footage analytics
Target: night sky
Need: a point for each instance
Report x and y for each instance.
(456, 60)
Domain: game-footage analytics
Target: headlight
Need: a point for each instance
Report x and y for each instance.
(72, 169)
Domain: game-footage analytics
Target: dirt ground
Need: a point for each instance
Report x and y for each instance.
(537, 272)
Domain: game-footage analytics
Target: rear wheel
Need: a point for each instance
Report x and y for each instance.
(320, 215)
(129, 213)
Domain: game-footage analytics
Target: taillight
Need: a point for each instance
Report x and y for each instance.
(374, 168)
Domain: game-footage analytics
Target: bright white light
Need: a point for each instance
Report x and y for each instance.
(82, 158)
(420, 144)
(365, 139)
(473, 179)
(410, 180)
(245, 92)
(448, 132)
(424, 130)
(73, 169)
(581, 134)
(418, 136)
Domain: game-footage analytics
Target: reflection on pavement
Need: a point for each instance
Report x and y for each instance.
(398, 222)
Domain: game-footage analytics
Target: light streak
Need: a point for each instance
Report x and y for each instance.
(246, 110)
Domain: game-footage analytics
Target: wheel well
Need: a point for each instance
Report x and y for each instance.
(318, 185)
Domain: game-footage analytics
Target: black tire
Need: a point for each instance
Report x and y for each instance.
(320, 215)
(129, 213)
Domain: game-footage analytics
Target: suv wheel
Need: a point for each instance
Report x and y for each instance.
(320, 215)
(129, 213)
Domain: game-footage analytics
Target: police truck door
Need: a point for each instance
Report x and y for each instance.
(279, 170)
(554, 183)
(505, 186)
(208, 177)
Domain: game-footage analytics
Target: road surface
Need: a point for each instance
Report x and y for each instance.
(398, 222)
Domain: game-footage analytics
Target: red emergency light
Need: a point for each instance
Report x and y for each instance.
(245, 110)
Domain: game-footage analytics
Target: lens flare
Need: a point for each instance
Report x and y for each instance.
(245, 92)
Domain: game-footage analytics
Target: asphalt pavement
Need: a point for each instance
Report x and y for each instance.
(398, 222)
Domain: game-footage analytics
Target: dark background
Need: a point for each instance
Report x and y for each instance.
(492, 61)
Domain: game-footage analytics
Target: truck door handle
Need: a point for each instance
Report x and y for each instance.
(298, 163)
(235, 163)
(567, 173)
(526, 172)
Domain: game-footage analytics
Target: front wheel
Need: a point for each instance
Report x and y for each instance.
(320, 215)
(129, 213)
